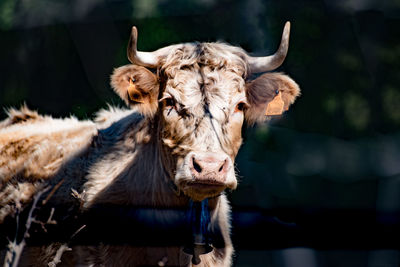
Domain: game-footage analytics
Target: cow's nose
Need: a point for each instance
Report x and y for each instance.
(209, 167)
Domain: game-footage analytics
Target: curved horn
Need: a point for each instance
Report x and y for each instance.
(146, 59)
(262, 64)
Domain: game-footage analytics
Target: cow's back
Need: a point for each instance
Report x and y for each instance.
(32, 149)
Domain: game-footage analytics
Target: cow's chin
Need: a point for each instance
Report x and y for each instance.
(200, 189)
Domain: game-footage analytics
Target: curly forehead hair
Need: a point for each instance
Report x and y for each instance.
(206, 57)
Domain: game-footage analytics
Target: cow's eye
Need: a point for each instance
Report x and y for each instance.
(240, 107)
(170, 102)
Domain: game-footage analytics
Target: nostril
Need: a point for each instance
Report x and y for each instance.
(196, 166)
(222, 166)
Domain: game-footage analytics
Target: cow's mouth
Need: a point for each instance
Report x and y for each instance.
(206, 183)
(199, 190)
(203, 187)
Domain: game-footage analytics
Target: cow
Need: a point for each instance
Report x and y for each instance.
(176, 143)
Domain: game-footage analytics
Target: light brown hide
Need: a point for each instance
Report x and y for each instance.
(130, 157)
(122, 182)
(32, 149)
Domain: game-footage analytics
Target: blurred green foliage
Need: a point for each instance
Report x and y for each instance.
(7, 8)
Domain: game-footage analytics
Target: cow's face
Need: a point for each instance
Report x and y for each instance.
(200, 98)
(202, 110)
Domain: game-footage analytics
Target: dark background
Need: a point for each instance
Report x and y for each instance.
(324, 178)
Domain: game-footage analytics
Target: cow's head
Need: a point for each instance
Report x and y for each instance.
(200, 94)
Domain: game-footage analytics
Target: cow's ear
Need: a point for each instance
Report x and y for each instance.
(270, 94)
(137, 86)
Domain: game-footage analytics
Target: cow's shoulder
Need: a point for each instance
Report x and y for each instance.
(118, 124)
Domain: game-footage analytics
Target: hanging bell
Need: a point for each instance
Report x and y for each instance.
(199, 219)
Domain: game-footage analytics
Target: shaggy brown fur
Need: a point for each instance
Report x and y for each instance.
(32, 149)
